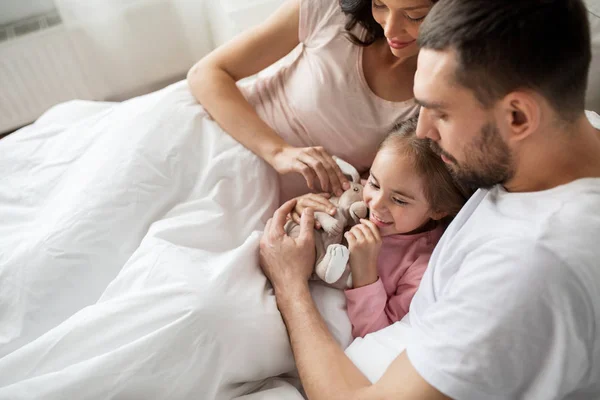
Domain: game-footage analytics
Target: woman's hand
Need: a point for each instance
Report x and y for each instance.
(364, 243)
(314, 163)
(316, 202)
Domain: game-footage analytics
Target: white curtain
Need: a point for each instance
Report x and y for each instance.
(77, 11)
(135, 44)
(139, 41)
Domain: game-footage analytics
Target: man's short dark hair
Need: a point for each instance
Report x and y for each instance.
(506, 45)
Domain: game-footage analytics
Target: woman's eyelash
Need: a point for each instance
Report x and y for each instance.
(371, 183)
(374, 4)
(415, 19)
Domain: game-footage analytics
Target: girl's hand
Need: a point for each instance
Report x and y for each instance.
(364, 243)
(314, 163)
(317, 202)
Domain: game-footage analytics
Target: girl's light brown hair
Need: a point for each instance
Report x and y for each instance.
(442, 191)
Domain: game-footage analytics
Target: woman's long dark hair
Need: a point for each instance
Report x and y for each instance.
(359, 12)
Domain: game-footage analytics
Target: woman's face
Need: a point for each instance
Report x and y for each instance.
(400, 20)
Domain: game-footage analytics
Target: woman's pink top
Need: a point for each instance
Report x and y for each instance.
(321, 97)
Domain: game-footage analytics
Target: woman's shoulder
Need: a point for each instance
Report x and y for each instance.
(320, 18)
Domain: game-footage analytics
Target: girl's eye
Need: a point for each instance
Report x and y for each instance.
(377, 4)
(400, 202)
(373, 184)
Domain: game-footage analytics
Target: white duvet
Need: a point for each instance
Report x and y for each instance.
(129, 259)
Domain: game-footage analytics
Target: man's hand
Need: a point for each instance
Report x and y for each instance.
(326, 372)
(364, 243)
(288, 262)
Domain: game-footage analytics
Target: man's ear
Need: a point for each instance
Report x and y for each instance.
(521, 113)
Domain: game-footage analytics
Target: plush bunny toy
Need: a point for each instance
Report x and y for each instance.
(331, 255)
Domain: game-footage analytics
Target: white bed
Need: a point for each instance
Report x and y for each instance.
(128, 258)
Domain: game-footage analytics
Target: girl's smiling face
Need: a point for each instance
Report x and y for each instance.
(394, 194)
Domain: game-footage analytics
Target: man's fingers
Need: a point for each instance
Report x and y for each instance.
(307, 224)
(296, 217)
(280, 216)
(268, 228)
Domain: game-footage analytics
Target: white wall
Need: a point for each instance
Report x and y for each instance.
(593, 93)
(230, 17)
(14, 10)
(113, 49)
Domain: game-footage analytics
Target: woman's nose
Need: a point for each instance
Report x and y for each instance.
(394, 25)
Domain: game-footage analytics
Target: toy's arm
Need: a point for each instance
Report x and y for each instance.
(358, 210)
(330, 225)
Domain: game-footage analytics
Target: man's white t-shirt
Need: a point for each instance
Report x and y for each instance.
(509, 307)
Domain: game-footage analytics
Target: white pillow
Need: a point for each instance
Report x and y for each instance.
(593, 89)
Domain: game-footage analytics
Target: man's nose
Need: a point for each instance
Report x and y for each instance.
(425, 129)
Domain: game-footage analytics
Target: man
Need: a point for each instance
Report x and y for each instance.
(509, 307)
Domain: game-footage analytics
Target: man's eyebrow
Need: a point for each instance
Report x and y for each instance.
(432, 105)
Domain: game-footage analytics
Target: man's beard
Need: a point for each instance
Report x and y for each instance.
(488, 161)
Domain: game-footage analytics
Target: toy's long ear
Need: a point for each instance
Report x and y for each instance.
(347, 169)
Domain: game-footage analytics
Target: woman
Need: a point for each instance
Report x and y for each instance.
(350, 83)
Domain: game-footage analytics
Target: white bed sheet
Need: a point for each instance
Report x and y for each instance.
(128, 258)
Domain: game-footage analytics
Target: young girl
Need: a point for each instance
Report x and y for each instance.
(411, 197)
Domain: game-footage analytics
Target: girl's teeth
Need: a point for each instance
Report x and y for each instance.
(379, 219)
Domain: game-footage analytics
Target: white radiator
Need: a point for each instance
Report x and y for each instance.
(111, 49)
(38, 71)
(139, 49)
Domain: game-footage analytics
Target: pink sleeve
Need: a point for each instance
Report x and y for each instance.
(314, 17)
(366, 308)
(399, 304)
(369, 307)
